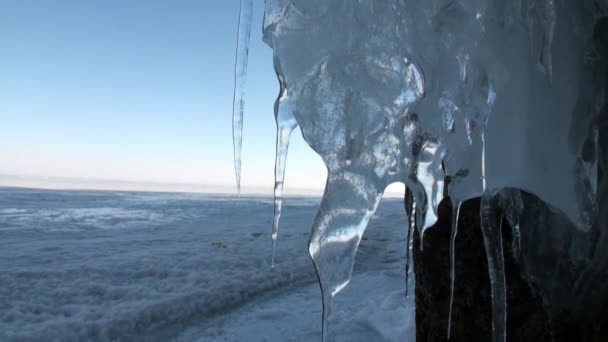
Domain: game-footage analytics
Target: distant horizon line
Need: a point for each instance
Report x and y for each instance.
(84, 183)
(98, 184)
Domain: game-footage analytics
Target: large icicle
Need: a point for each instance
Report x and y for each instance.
(348, 204)
(454, 232)
(492, 237)
(240, 79)
(286, 123)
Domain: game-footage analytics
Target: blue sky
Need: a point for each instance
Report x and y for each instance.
(137, 90)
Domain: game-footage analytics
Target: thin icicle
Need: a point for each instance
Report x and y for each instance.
(408, 261)
(516, 241)
(454, 233)
(286, 123)
(408, 203)
(511, 202)
(492, 237)
(491, 99)
(416, 221)
(240, 78)
(548, 19)
(420, 206)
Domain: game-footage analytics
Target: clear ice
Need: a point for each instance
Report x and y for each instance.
(408, 202)
(286, 123)
(453, 234)
(416, 91)
(491, 226)
(240, 79)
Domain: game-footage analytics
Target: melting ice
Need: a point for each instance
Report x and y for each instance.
(416, 91)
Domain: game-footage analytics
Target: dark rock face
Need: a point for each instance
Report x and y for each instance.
(535, 311)
(557, 289)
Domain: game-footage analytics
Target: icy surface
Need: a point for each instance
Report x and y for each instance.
(78, 266)
(414, 91)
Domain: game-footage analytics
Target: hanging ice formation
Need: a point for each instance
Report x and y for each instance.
(286, 123)
(413, 91)
(410, 209)
(453, 234)
(240, 78)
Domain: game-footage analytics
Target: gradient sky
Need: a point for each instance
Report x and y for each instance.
(137, 90)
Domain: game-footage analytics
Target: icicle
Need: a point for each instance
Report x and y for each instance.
(286, 123)
(240, 78)
(409, 208)
(408, 262)
(516, 241)
(491, 99)
(463, 59)
(429, 184)
(418, 218)
(348, 204)
(420, 206)
(512, 204)
(455, 216)
(545, 59)
(544, 15)
(492, 238)
(328, 299)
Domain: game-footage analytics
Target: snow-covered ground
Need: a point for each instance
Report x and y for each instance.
(186, 267)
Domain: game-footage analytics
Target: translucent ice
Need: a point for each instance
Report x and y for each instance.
(453, 234)
(408, 202)
(240, 78)
(512, 205)
(286, 123)
(491, 225)
(413, 91)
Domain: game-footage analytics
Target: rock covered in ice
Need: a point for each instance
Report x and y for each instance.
(416, 91)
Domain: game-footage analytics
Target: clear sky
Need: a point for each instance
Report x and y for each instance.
(137, 90)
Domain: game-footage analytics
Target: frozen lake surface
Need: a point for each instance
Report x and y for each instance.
(85, 265)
